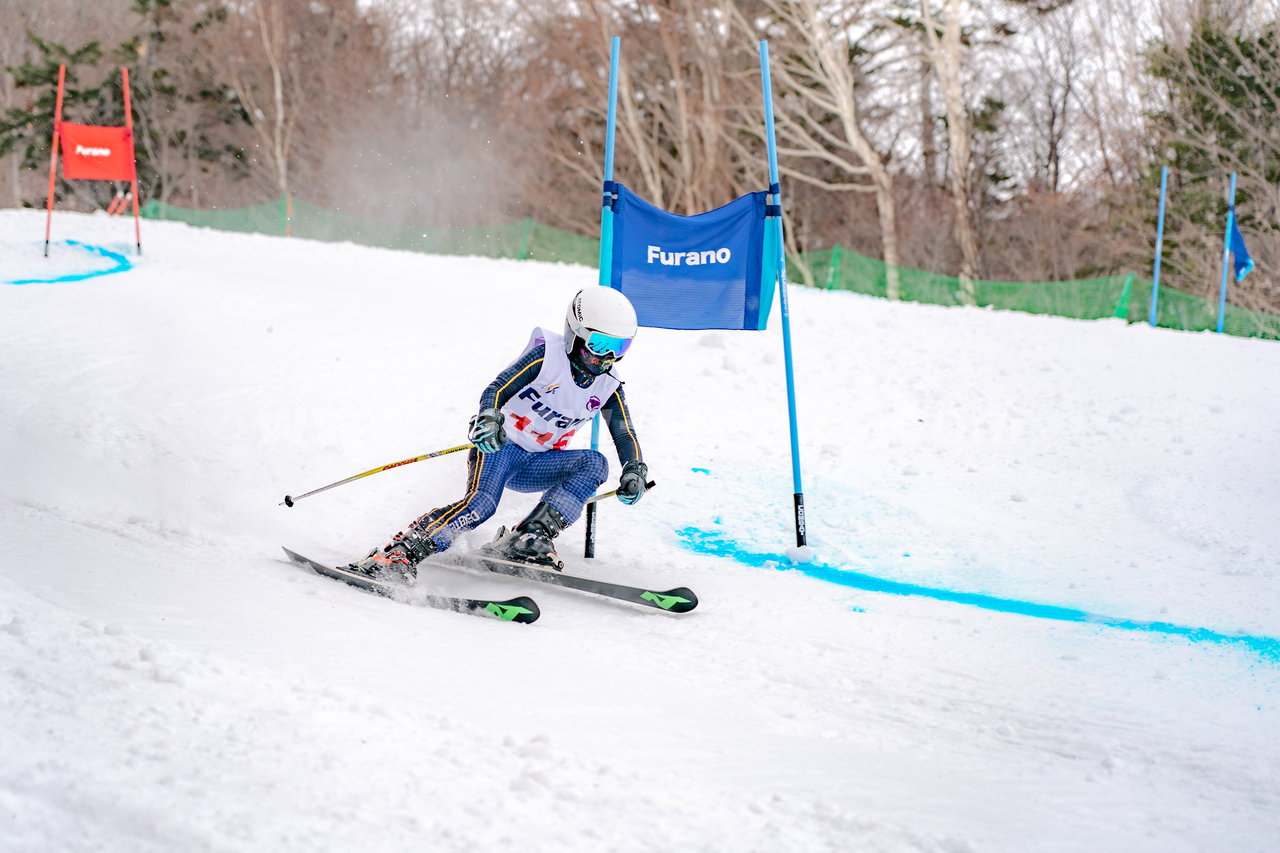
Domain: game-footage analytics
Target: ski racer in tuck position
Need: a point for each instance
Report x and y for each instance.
(527, 416)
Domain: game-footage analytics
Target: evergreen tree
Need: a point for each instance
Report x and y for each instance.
(1221, 90)
(87, 99)
(186, 124)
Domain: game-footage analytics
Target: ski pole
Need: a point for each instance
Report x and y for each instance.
(648, 485)
(290, 501)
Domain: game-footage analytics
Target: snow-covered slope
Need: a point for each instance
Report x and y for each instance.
(1042, 613)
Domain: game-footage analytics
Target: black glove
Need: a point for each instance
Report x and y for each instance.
(631, 484)
(486, 431)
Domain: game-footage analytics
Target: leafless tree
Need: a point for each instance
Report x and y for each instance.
(560, 103)
(298, 69)
(1217, 87)
(679, 101)
(439, 112)
(820, 122)
(13, 50)
(185, 126)
(946, 50)
(432, 140)
(59, 21)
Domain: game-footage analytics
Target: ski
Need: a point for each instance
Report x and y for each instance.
(678, 600)
(519, 609)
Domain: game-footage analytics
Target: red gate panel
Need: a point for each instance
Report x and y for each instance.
(95, 153)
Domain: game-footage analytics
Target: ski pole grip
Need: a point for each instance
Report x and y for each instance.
(593, 500)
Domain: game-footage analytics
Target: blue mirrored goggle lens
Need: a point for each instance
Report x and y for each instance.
(602, 344)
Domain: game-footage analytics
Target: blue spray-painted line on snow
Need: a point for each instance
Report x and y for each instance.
(716, 544)
(122, 264)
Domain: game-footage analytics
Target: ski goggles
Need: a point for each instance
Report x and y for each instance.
(604, 345)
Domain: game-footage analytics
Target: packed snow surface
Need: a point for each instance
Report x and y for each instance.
(1039, 611)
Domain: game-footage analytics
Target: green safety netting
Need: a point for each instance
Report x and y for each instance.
(841, 269)
(525, 240)
(1178, 310)
(1125, 296)
(259, 219)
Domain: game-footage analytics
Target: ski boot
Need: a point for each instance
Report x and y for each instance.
(397, 561)
(531, 541)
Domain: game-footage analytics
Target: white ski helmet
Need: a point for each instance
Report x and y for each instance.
(598, 328)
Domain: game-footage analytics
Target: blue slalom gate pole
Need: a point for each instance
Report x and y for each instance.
(775, 190)
(606, 251)
(606, 207)
(1155, 276)
(1226, 252)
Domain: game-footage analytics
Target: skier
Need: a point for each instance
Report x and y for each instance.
(527, 416)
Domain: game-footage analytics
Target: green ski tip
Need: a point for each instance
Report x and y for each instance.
(516, 610)
(670, 600)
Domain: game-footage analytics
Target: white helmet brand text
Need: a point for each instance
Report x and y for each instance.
(85, 151)
(688, 259)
